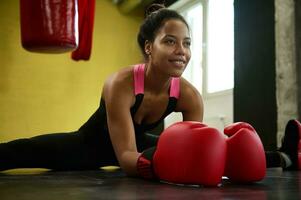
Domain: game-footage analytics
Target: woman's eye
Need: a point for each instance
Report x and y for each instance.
(170, 42)
(187, 44)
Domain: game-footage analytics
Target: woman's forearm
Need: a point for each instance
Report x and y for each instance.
(128, 162)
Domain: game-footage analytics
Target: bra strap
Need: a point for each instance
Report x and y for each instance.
(175, 88)
(139, 79)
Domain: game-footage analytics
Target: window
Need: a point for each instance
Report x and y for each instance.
(220, 46)
(192, 11)
(211, 68)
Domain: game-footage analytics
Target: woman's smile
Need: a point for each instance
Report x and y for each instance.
(178, 63)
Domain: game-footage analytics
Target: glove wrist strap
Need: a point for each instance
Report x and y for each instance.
(144, 164)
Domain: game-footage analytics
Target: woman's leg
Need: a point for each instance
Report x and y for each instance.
(290, 144)
(273, 159)
(60, 151)
(287, 155)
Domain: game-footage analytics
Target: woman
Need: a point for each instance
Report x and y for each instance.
(134, 100)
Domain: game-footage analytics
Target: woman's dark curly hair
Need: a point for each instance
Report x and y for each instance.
(156, 16)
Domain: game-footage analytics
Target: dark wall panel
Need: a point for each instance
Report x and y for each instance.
(254, 90)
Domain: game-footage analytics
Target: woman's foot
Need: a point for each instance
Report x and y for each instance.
(290, 145)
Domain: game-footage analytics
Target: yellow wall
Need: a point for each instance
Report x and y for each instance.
(44, 93)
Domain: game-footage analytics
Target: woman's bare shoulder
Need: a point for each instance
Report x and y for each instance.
(189, 95)
(120, 82)
(187, 89)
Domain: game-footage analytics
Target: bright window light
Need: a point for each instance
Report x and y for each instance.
(193, 72)
(220, 46)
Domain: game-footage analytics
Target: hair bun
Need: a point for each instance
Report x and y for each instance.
(153, 8)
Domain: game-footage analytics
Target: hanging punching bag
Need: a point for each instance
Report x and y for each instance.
(86, 10)
(49, 26)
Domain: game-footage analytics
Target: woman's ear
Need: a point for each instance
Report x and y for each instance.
(148, 48)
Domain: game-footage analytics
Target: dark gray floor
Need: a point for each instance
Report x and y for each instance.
(89, 185)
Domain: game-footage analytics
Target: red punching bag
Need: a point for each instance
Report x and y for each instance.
(49, 26)
(86, 10)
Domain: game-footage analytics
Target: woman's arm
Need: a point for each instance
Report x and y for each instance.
(190, 103)
(119, 97)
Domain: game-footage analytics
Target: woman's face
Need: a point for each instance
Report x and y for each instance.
(170, 51)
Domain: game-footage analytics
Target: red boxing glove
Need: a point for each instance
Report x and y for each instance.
(245, 154)
(188, 153)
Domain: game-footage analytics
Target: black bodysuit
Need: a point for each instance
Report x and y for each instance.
(89, 147)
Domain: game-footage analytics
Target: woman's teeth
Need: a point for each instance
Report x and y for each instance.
(179, 62)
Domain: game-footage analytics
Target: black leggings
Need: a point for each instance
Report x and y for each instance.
(70, 151)
(273, 159)
(60, 151)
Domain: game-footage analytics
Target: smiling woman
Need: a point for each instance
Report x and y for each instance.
(135, 100)
(171, 48)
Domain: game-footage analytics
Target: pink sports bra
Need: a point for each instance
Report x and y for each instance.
(174, 94)
(139, 82)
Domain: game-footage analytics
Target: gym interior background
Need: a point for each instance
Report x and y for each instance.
(41, 93)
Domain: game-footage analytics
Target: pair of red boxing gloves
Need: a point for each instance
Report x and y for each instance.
(192, 153)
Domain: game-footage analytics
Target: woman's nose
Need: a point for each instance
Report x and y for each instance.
(180, 49)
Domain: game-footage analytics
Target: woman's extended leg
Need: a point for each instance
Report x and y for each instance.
(60, 151)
